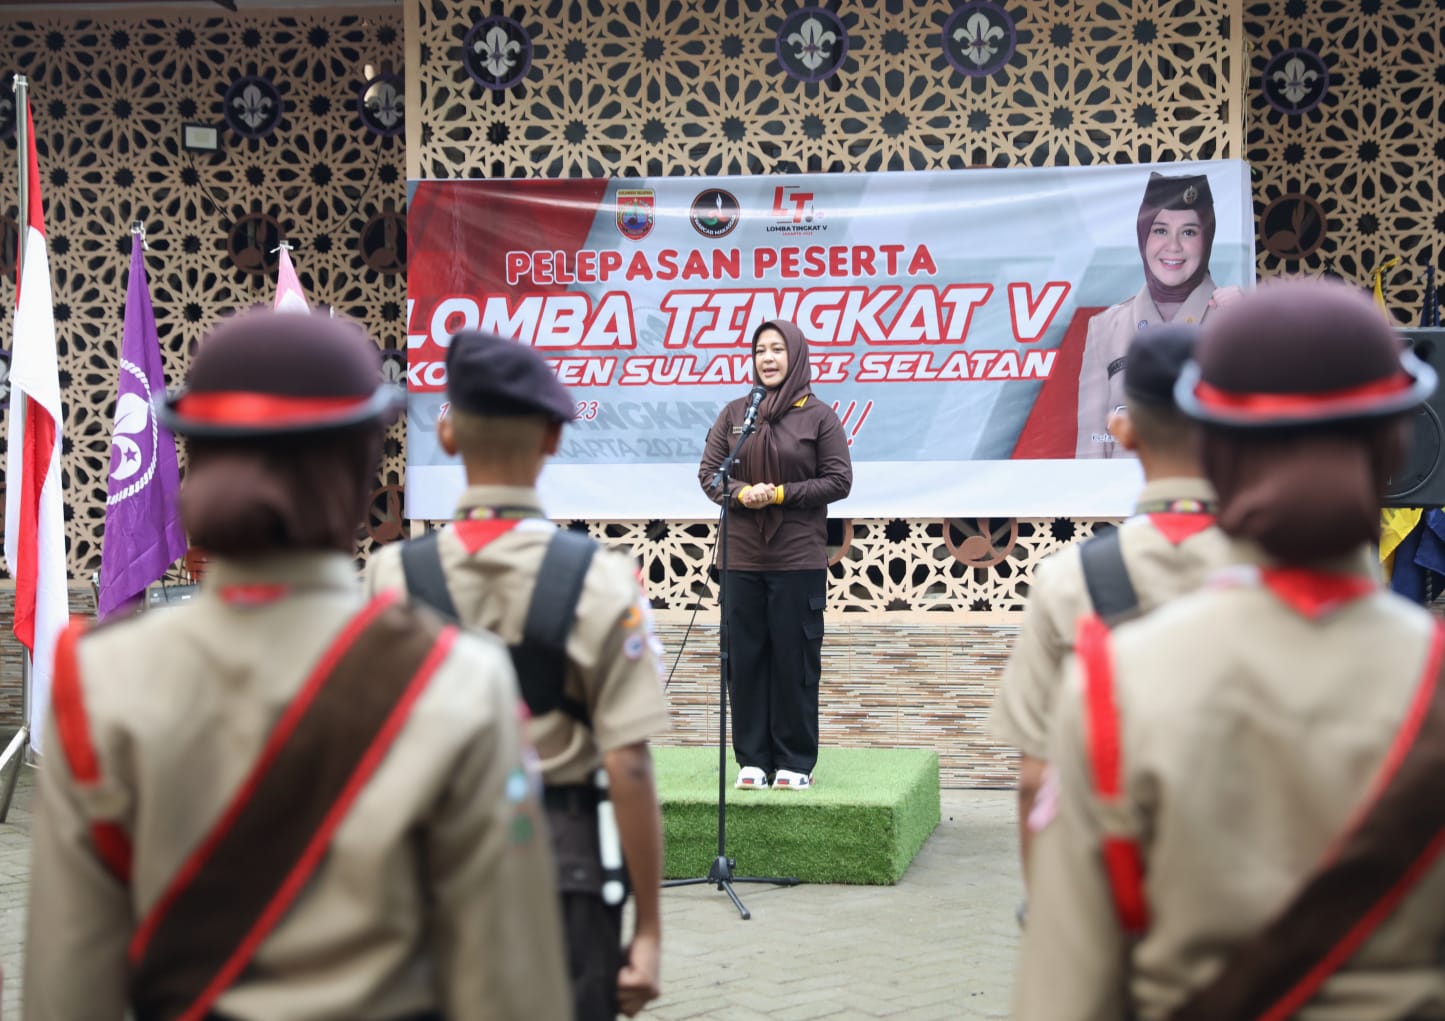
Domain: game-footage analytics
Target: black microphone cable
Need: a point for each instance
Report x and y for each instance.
(697, 602)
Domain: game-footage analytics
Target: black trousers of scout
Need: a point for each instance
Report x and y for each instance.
(775, 650)
(593, 929)
(594, 954)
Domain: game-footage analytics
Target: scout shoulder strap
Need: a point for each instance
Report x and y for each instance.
(1106, 577)
(1396, 837)
(540, 658)
(244, 875)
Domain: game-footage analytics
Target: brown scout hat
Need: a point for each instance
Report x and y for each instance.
(1300, 352)
(1186, 191)
(266, 373)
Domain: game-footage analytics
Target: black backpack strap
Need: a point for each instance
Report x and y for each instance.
(421, 563)
(540, 658)
(1106, 576)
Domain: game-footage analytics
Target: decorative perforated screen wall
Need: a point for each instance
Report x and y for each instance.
(1336, 104)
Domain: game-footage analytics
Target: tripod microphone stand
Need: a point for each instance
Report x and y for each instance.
(721, 871)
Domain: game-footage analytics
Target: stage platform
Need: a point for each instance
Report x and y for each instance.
(863, 821)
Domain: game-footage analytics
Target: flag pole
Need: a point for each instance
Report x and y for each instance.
(21, 88)
(19, 746)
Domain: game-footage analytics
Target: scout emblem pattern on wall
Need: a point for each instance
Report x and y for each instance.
(979, 38)
(497, 52)
(253, 107)
(1346, 120)
(1292, 226)
(1295, 81)
(812, 44)
(382, 104)
(109, 95)
(669, 87)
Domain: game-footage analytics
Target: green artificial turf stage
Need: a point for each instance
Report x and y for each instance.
(866, 816)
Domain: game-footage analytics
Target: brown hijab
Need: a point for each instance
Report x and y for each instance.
(759, 457)
(1187, 192)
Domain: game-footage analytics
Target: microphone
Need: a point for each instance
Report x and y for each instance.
(754, 399)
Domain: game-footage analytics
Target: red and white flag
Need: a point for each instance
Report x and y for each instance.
(288, 289)
(34, 506)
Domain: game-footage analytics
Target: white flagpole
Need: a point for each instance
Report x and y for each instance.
(21, 88)
(20, 743)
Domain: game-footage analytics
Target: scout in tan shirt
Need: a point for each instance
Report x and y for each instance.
(1242, 818)
(1167, 548)
(505, 418)
(279, 801)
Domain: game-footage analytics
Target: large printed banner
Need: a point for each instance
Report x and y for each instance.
(946, 313)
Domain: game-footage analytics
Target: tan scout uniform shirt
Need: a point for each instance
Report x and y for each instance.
(1159, 569)
(1249, 734)
(437, 891)
(1108, 338)
(613, 658)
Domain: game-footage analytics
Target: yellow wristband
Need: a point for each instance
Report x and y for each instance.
(778, 495)
(743, 492)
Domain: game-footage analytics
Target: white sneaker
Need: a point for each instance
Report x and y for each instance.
(787, 780)
(751, 778)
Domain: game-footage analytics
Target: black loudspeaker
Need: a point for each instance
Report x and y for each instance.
(1420, 482)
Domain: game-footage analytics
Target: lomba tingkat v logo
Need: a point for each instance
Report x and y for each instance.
(795, 212)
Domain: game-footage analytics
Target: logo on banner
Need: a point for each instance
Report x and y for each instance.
(715, 213)
(636, 212)
(794, 212)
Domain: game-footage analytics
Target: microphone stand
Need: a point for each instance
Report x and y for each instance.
(721, 872)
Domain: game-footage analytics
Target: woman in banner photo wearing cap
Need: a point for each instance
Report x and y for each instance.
(1243, 815)
(787, 473)
(1175, 231)
(281, 799)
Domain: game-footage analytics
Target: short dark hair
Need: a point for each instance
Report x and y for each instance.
(1162, 428)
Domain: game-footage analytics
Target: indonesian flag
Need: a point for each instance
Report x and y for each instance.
(288, 289)
(34, 518)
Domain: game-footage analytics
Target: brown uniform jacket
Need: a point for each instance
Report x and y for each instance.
(1101, 375)
(1162, 566)
(817, 471)
(613, 655)
(1250, 732)
(437, 891)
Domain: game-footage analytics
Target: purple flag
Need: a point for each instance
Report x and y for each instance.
(143, 533)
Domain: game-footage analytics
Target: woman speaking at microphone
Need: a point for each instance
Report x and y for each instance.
(788, 471)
